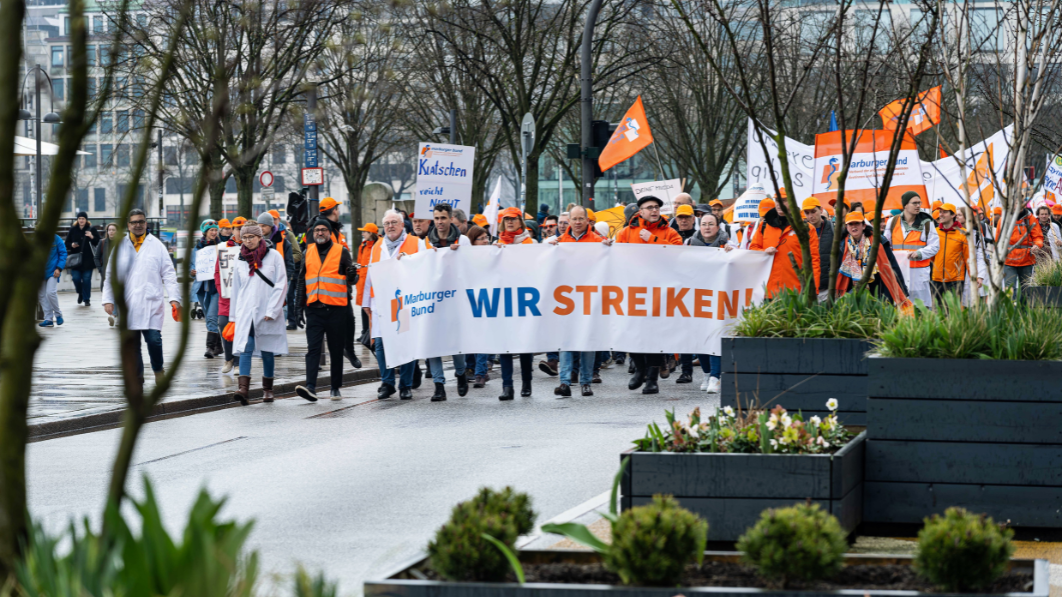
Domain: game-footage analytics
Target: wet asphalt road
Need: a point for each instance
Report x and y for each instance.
(358, 486)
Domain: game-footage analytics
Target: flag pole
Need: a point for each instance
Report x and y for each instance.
(660, 167)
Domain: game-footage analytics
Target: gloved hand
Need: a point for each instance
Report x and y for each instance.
(176, 311)
(229, 332)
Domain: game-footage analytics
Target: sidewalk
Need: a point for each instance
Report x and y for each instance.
(76, 370)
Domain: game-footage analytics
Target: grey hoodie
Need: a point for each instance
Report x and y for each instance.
(698, 241)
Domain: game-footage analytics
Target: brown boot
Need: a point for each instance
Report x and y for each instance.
(267, 389)
(243, 383)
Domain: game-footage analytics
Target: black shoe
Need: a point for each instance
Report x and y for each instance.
(417, 375)
(685, 378)
(335, 394)
(440, 393)
(631, 367)
(525, 389)
(596, 378)
(587, 391)
(307, 393)
(79, 299)
(291, 326)
(507, 393)
(636, 380)
(353, 358)
(405, 394)
(479, 383)
(462, 384)
(210, 345)
(619, 360)
(548, 367)
(650, 384)
(386, 391)
(562, 390)
(88, 304)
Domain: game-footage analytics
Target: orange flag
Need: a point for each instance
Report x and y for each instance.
(631, 136)
(925, 114)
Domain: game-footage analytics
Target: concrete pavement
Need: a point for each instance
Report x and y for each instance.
(354, 488)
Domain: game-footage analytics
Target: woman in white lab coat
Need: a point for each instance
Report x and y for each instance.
(256, 309)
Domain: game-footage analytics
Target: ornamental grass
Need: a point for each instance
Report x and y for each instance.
(1047, 273)
(792, 314)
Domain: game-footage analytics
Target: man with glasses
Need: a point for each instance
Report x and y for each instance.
(550, 227)
(143, 265)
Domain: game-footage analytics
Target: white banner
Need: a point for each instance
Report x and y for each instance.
(944, 178)
(444, 175)
(205, 259)
(758, 165)
(665, 190)
(227, 257)
(1052, 189)
(747, 206)
(572, 296)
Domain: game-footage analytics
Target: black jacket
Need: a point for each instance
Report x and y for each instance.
(825, 231)
(451, 238)
(86, 247)
(345, 267)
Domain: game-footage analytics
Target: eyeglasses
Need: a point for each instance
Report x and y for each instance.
(549, 225)
(137, 222)
(392, 224)
(651, 207)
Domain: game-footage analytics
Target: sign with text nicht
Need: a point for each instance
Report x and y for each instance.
(444, 175)
(309, 134)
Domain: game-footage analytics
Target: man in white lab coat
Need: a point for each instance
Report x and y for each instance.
(143, 264)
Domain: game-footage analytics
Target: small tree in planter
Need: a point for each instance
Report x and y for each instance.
(798, 543)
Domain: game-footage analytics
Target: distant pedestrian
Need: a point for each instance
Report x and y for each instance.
(48, 295)
(81, 241)
(103, 251)
(143, 265)
(223, 302)
(256, 307)
(208, 292)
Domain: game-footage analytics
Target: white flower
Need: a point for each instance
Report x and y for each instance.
(772, 423)
(774, 443)
(831, 404)
(816, 420)
(822, 442)
(729, 411)
(787, 420)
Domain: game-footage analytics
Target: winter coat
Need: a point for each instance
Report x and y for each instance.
(825, 232)
(56, 258)
(950, 262)
(661, 233)
(364, 254)
(454, 236)
(698, 241)
(1026, 235)
(774, 231)
(85, 246)
(148, 275)
(590, 236)
(252, 300)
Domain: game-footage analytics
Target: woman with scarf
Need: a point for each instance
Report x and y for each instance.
(513, 232)
(223, 303)
(256, 309)
(1052, 236)
(81, 240)
(886, 280)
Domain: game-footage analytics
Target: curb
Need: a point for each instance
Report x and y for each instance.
(172, 408)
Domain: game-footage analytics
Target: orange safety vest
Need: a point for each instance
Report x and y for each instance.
(409, 246)
(323, 280)
(912, 241)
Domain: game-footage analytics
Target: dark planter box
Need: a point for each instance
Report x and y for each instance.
(801, 374)
(1044, 296)
(979, 434)
(731, 490)
(408, 581)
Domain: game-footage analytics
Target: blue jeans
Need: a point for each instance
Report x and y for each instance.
(481, 364)
(82, 283)
(153, 339)
(586, 367)
(209, 301)
(387, 374)
(245, 358)
(712, 366)
(552, 356)
(1014, 275)
(507, 368)
(437, 373)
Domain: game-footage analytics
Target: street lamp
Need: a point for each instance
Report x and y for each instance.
(49, 118)
(449, 130)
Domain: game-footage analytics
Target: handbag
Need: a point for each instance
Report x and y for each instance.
(73, 260)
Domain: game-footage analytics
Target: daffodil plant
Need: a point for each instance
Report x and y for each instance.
(752, 432)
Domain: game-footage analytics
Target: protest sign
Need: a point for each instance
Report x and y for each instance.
(444, 175)
(984, 161)
(227, 257)
(747, 206)
(572, 296)
(759, 166)
(665, 190)
(204, 263)
(1052, 190)
(866, 167)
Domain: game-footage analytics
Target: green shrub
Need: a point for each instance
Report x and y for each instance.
(652, 544)
(459, 550)
(792, 314)
(802, 542)
(961, 551)
(1047, 273)
(316, 586)
(1008, 330)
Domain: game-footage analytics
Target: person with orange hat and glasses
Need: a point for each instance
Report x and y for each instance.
(329, 210)
(886, 281)
(915, 231)
(950, 262)
(816, 218)
(394, 243)
(775, 236)
(1025, 238)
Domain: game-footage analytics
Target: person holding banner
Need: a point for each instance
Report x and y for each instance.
(886, 280)
(774, 236)
(712, 235)
(227, 253)
(916, 232)
(394, 243)
(513, 228)
(514, 232)
(445, 234)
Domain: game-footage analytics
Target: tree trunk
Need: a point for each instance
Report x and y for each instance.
(217, 203)
(531, 183)
(244, 176)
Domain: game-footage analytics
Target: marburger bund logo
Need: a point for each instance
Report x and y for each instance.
(403, 309)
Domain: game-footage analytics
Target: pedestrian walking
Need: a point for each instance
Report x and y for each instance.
(886, 281)
(207, 291)
(81, 242)
(144, 268)
(48, 295)
(709, 234)
(915, 231)
(1052, 236)
(950, 262)
(817, 219)
(442, 236)
(322, 296)
(684, 222)
(329, 210)
(256, 308)
(370, 233)
(514, 231)
(775, 236)
(224, 287)
(1026, 236)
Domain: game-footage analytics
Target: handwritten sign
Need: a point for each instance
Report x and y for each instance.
(204, 263)
(227, 257)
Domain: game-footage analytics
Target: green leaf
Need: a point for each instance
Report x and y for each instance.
(578, 533)
(518, 569)
(612, 506)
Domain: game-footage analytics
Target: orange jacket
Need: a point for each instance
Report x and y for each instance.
(364, 255)
(662, 234)
(1026, 234)
(590, 236)
(949, 264)
(785, 240)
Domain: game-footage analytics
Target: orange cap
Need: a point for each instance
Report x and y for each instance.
(810, 203)
(947, 207)
(937, 204)
(1057, 209)
(480, 220)
(997, 211)
(326, 204)
(370, 227)
(511, 212)
(274, 213)
(715, 202)
(238, 221)
(847, 203)
(853, 217)
(224, 223)
(936, 213)
(684, 210)
(766, 205)
(781, 193)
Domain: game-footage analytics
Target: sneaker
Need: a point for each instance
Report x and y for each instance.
(306, 393)
(59, 320)
(713, 385)
(227, 368)
(607, 364)
(335, 395)
(704, 384)
(47, 323)
(110, 320)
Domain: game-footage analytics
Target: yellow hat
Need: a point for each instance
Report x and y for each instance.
(810, 203)
(684, 210)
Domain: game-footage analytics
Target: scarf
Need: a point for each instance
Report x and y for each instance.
(513, 238)
(392, 245)
(254, 258)
(855, 258)
(137, 241)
